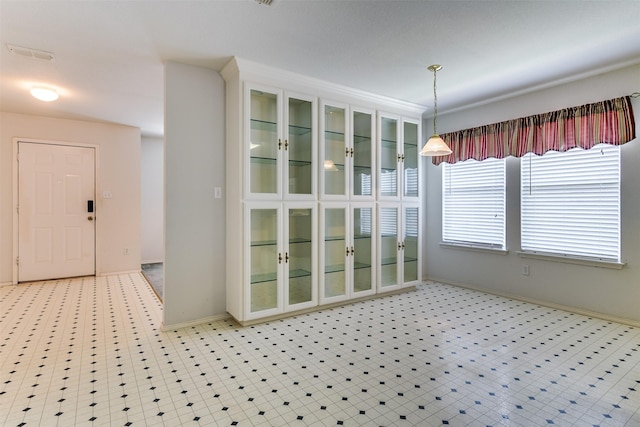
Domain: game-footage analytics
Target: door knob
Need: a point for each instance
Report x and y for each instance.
(90, 218)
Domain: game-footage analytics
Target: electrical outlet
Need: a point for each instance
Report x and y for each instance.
(525, 270)
(125, 251)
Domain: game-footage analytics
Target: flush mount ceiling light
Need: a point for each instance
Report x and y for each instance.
(44, 93)
(435, 146)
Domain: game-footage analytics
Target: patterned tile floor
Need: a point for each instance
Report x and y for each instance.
(88, 352)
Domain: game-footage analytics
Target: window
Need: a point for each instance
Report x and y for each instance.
(570, 203)
(473, 203)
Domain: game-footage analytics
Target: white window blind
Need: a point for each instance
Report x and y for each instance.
(473, 203)
(570, 203)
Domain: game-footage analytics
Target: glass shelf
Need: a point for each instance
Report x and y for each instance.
(299, 130)
(338, 268)
(264, 243)
(334, 268)
(264, 277)
(333, 238)
(299, 163)
(407, 259)
(389, 261)
(263, 160)
(271, 277)
(298, 272)
(389, 143)
(362, 168)
(334, 135)
(362, 236)
(360, 265)
(263, 125)
(298, 240)
(361, 139)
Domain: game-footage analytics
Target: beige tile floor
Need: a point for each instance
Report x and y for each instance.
(88, 352)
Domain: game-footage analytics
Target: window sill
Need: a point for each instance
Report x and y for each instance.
(573, 260)
(473, 248)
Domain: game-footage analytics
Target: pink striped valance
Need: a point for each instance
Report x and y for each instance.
(611, 122)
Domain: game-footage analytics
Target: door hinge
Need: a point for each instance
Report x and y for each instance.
(17, 260)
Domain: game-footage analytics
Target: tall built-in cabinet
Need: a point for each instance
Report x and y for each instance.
(322, 192)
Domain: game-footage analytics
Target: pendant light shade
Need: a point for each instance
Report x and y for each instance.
(435, 146)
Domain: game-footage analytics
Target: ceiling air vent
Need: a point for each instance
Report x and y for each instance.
(265, 2)
(27, 52)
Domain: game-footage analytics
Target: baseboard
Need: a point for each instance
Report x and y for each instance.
(165, 328)
(6, 283)
(153, 261)
(583, 312)
(115, 273)
(325, 306)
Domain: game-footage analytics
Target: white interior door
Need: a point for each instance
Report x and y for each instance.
(56, 186)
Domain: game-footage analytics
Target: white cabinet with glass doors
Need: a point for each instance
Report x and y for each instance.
(281, 262)
(304, 178)
(347, 152)
(347, 255)
(398, 145)
(281, 135)
(398, 246)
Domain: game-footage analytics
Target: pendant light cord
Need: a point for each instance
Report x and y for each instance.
(435, 101)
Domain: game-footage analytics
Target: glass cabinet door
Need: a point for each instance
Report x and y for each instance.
(362, 249)
(410, 159)
(265, 143)
(265, 259)
(335, 151)
(362, 153)
(299, 256)
(299, 146)
(335, 252)
(388, 157)
(389, 246)
(410, 244)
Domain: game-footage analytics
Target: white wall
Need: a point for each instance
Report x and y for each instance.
(194, 286)
(117, 170)
(152, 199)
(614, 293)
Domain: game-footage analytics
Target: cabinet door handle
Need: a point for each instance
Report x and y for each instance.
(286, 257)
(399, 245)
(347, 250)
(352, 251)
(346, 152)
(402, 245)
(286, 144)
(279, 258)
(351, 152)
(403, 158)
(399, 157)
(279, 144)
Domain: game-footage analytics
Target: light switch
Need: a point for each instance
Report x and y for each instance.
(217, 192)
(106, 194)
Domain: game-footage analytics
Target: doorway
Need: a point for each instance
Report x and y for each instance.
(56, 211)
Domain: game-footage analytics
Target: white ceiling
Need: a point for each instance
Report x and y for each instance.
(109, 54)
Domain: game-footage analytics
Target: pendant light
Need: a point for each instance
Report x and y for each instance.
(435, 146)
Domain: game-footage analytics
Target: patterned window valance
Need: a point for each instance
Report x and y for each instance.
(610, 122)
